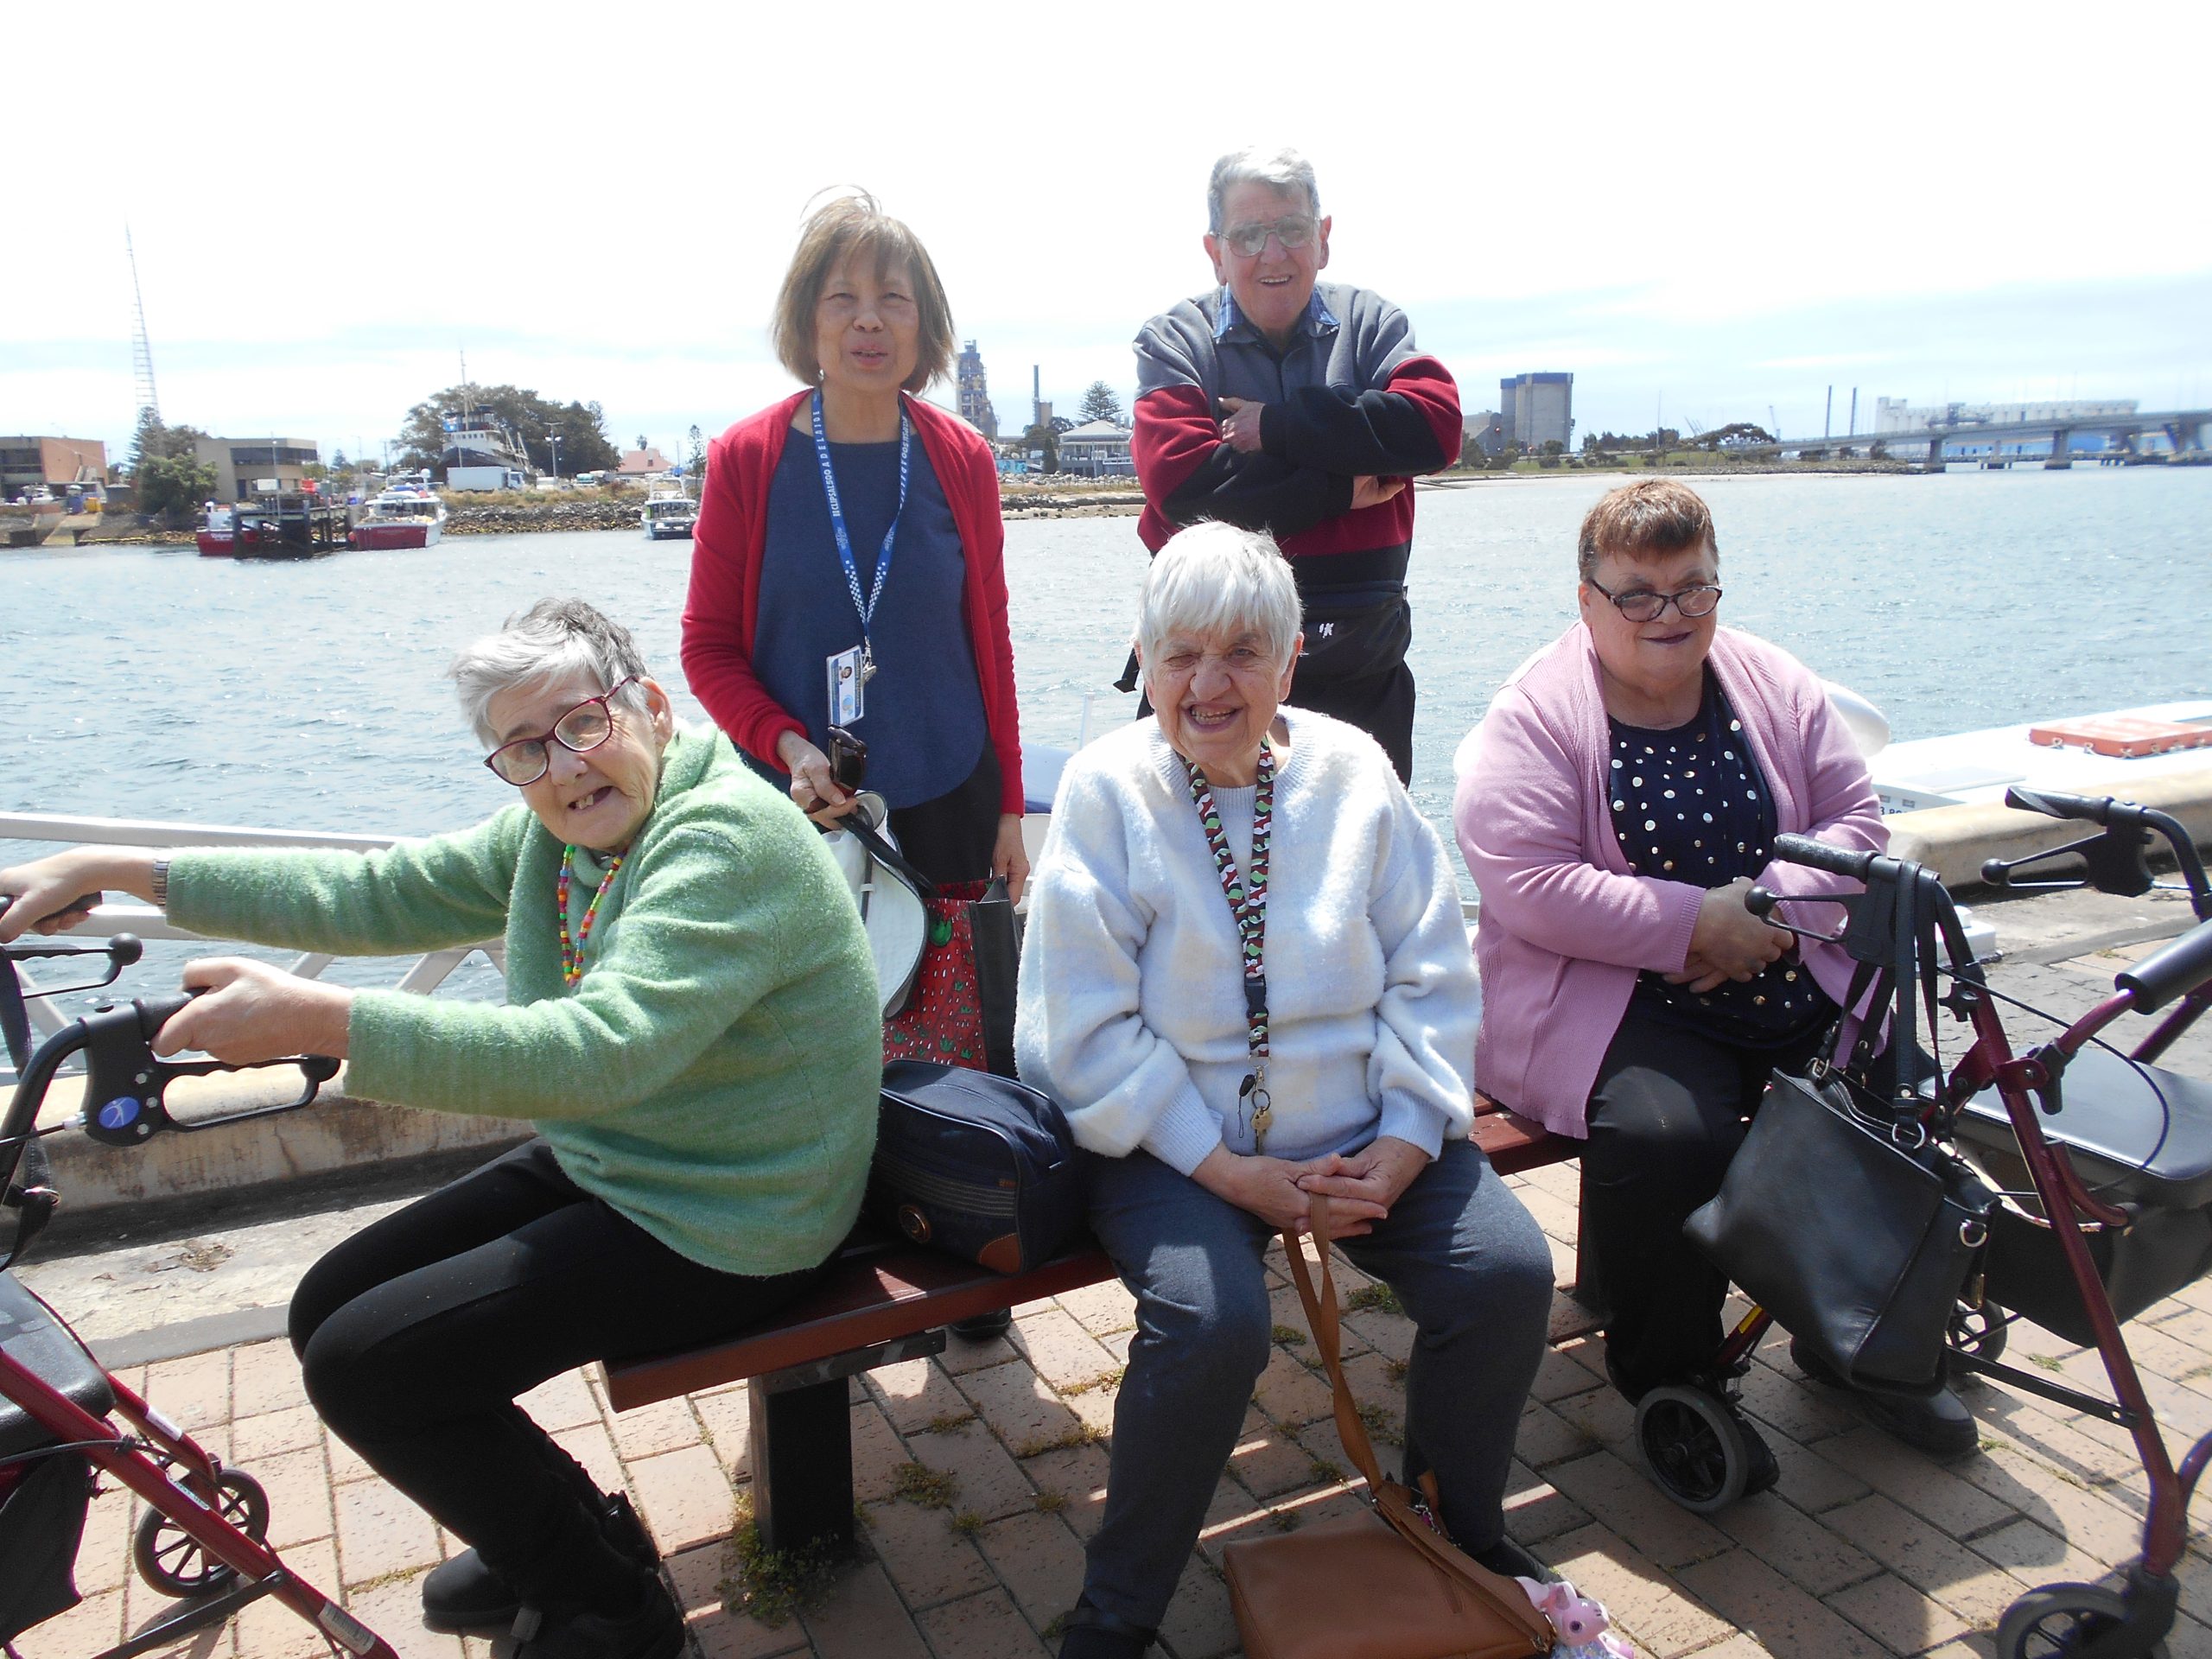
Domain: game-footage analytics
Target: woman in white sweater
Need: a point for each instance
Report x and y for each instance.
(1247, 979)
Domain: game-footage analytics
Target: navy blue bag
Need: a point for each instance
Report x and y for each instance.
(979, 1165)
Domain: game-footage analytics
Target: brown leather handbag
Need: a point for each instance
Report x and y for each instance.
(1385, 1584)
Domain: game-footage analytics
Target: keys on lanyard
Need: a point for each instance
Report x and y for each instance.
(864, 606)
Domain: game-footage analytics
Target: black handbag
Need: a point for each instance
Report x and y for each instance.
(979, 1165)
(1844, 1214)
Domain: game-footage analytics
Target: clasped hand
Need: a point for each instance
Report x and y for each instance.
(1361, 1187)
(1240, 430)
(1728, 942)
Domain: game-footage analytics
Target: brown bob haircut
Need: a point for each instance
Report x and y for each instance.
(1653, 518)
(855, 225)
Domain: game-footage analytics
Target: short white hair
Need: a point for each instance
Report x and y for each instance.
(1215, 578)
(1281, 170)
(551, 640)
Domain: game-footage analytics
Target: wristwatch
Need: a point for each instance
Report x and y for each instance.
(162, 884)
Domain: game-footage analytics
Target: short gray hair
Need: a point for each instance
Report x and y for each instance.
(1216, 579)
(1283, 169)
(553, 639)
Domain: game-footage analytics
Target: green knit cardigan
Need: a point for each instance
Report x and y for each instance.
(713, 1076)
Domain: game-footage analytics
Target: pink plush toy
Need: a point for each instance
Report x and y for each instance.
(1580, 1621)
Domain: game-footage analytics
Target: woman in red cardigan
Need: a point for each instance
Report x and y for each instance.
(848, 566)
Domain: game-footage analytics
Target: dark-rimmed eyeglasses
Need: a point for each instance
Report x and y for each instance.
(580, 731)
(1293, 231)
(1642, 605)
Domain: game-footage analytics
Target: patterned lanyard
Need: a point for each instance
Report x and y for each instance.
(1248, 903)
(572, 953)
(866, 608)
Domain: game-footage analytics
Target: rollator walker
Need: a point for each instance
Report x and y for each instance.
(2103, 1161)
(65, 1421)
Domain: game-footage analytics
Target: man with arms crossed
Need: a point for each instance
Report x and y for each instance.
(1279, 403)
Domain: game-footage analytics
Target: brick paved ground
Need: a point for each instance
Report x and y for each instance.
(1865, 1549)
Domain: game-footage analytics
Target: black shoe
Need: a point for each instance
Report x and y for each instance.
(1937, 1424)
(1763, 1471)
(1090, 1633)
(654, 1629)
(463, 1597)
(984, 1327)
(1509, 1558)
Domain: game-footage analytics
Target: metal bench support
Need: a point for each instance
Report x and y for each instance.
(802, 1445)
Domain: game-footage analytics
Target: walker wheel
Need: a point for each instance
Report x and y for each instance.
(171, 1559)
(2062, 1619)
(1981, 1331)
(1695, 1447)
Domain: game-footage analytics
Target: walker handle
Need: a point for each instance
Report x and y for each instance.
(1820, 855)
(2175, 969)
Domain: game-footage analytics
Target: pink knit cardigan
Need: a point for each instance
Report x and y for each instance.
(1565, 926)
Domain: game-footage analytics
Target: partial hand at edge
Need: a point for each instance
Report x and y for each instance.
(1010, 856)
(814, 787)
(1368, 491)
(42, 887)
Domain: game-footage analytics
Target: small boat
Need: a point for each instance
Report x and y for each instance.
(669, 515)
(218, 535)
(290, 527)
(403, 516)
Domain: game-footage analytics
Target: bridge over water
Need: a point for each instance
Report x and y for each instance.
(2184, 429)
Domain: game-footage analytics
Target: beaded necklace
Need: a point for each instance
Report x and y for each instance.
(1248, 903)
(572, 953)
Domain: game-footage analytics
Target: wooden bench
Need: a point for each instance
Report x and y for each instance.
(884, 1300)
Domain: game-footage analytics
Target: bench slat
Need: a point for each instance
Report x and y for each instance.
(868, 1297)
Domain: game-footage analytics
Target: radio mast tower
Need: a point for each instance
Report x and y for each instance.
(142, 349)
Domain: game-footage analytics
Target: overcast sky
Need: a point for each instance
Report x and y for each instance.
(1699, 212)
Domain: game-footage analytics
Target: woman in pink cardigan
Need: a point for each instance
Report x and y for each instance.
(1615, 806)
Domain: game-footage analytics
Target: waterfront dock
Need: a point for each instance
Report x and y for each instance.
(980, 1472)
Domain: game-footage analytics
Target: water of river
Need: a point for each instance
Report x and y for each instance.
(151, 683)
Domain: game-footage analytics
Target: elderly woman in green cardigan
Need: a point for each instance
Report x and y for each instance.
(692, 1028)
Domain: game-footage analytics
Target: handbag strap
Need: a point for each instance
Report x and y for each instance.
(881, 849)
(1392, 1502)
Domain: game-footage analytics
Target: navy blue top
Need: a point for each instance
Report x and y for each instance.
(923, 727)
(1690, 804)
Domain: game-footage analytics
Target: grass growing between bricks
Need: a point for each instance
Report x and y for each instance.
(916, 1483)
(1380, 1299)
(771, 1585)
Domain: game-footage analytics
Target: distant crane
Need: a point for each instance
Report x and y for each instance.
(142, 348)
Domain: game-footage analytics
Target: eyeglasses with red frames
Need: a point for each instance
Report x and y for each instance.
(580, 731)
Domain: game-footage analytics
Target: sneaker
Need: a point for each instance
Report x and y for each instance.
(654, 1629)
(1937, 1424)
(463, 1597)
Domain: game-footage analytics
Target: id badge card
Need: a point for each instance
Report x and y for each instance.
(847, 699)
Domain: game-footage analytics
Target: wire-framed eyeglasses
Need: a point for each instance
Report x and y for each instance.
(580, 731)
(1293, 231)
(1642, 605)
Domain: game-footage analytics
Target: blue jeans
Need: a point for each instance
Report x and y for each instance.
(1467, 1261)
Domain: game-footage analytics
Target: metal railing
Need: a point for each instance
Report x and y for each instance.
(423, 975)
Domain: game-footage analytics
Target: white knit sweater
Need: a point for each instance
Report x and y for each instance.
(1132, 1002)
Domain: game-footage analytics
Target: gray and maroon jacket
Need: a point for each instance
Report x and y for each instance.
(1350, 396)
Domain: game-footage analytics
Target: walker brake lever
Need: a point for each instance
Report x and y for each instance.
(1761, 902)
(126, 1085)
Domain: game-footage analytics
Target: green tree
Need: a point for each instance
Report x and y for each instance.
(171, 487)
(156, 441)
(695, 465)
(1044, 438)
(585, 446)
(1100, 404)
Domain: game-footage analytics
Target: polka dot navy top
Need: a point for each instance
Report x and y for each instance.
(1690, 804)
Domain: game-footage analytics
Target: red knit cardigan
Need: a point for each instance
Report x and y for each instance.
(723, 611)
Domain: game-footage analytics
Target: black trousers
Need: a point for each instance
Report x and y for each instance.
(416, 1335)
(951, 838)
(1669, 1110)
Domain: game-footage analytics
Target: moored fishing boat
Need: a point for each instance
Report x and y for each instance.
(404, 516)
(218, 536)
(669, 514)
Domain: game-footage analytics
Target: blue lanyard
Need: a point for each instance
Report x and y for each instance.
(837, 516)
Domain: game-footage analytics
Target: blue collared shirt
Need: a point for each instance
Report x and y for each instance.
(1318, 320)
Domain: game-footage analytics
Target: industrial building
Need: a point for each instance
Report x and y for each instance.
(1485, 430)
(974, 393)
(1533, 410)
(1893, 414)
(29, 464)
(243, 465)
